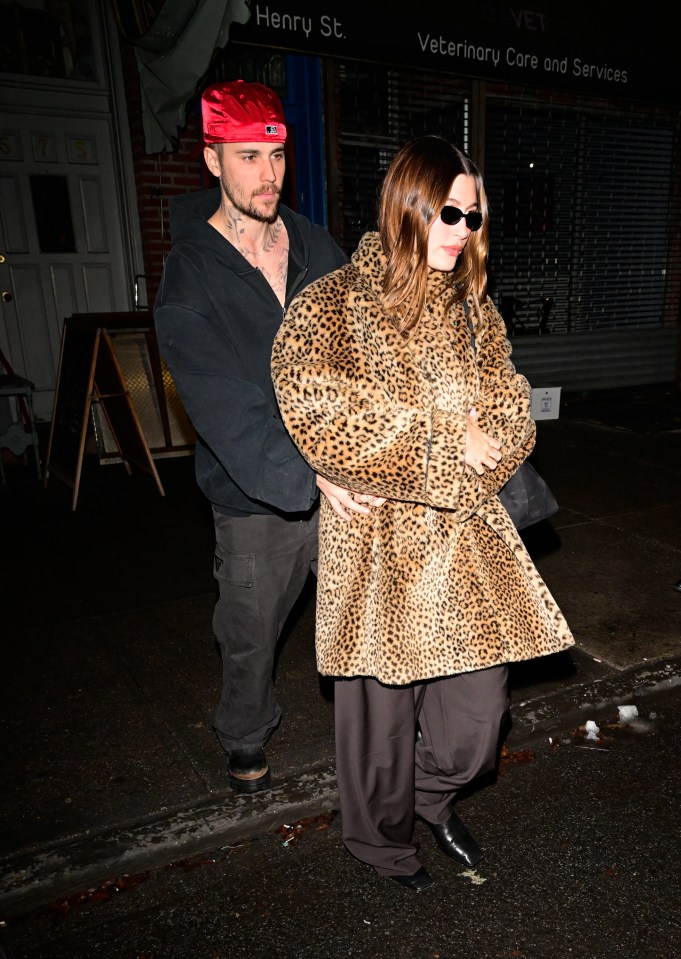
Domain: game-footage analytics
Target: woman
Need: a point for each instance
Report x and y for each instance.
(394, 378)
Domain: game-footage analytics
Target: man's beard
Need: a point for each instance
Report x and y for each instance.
(250, 209)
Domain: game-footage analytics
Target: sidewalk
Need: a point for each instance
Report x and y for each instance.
(112, 674)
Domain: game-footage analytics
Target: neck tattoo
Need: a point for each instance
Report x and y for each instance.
(271, 237)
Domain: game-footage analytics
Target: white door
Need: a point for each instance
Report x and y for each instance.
(60, 238)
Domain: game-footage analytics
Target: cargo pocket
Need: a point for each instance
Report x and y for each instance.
(234, 569)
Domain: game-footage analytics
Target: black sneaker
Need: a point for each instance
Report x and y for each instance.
(248, 770)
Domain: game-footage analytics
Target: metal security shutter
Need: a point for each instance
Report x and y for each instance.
(621, 255)
(584, 238)
(374, 111)
(530, 162)
(580, 214)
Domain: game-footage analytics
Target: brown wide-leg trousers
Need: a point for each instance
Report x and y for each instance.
(387, 777)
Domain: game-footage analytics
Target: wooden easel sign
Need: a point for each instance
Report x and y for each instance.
(89, 372)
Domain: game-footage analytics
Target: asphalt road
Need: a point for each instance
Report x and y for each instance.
(582, 843)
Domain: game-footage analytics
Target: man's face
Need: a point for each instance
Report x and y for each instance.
(251, 176)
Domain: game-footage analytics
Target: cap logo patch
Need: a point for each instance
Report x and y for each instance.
(271, 129)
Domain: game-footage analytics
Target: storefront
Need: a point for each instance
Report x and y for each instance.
(571, 111)
(572, 115)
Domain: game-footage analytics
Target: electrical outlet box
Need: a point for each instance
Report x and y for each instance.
(546, 403)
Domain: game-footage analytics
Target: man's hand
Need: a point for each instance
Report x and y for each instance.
(344, 502)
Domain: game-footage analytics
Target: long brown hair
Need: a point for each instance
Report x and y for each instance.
(414, 191)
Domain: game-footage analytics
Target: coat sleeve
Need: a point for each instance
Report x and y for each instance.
(350, 418)
(504, 401)
(234, 415)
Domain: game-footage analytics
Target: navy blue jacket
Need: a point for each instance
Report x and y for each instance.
(216, 317)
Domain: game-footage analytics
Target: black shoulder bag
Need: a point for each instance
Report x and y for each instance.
(525, 496)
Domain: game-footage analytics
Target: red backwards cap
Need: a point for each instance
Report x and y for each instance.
(242, 112)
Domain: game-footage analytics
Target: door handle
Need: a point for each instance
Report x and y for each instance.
(6, 296)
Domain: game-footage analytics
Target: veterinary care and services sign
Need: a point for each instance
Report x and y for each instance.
(594, 48)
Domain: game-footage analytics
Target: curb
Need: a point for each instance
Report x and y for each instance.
(33, 879)
(534, 719)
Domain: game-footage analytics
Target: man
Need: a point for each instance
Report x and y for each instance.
(238, 257)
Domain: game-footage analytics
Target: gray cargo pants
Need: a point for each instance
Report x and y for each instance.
(261, 565)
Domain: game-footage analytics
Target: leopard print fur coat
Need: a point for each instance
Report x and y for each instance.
(436, 581)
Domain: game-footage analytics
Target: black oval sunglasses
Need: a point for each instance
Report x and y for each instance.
(452, 214)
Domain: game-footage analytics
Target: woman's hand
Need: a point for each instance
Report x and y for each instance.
(482, 451)
(344, 502)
